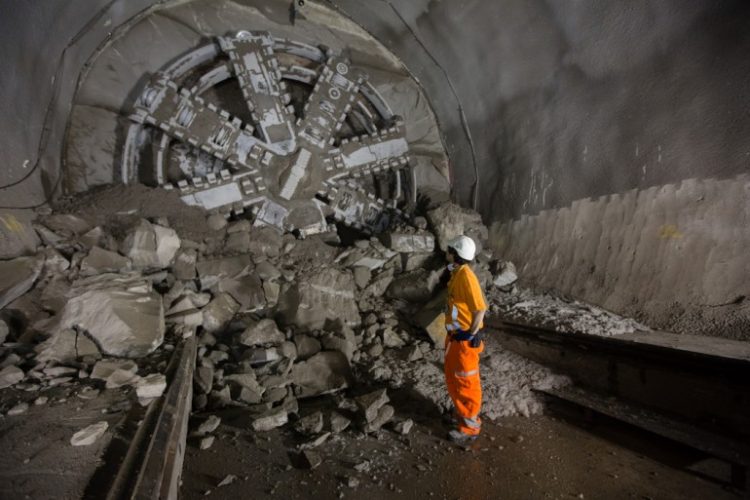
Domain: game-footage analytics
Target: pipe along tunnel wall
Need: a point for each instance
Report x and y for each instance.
(605, 144)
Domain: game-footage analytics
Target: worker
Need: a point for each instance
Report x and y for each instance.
(466, 307)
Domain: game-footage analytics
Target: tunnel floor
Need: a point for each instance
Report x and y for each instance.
(516, 457)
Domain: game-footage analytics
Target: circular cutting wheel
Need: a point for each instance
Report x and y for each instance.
(290, 133)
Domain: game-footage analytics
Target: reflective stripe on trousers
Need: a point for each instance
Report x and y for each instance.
(464, 385)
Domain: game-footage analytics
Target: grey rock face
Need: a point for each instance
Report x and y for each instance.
(150, 246)
(17, 237)
(121, 315)
(261, 332)
(310, 425)
(409, 242)
(17, 276)
(415, 286)
(505, 274)
(10, 375)
(103, 261)
(219, 312)
(307, 346)
(369, 404)
(212, 271)
(317, 298)
(325, 372)
(184, 264)
(450, 221)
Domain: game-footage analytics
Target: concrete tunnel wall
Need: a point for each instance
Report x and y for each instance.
(605, 144)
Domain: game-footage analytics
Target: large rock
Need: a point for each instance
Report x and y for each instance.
(261, 332)
(184, 264)
(409, 242)
(246, 290)
(264, 241)
(17, 237)
(326, 372)
(103, 261)
(120, 314)
(450, 221)
(370, 403)
(307, 346)
(66, 224)
(505, 274)
(415, 286)
(150, 245)
(10, 375)
(321, 298)
(212, 271)
(219, 312)
(17, 276)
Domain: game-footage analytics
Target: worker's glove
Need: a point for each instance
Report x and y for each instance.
(476, 340)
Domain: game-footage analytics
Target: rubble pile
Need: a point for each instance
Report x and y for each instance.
(563, 314)
(280, 321)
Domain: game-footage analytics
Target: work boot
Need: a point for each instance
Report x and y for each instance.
(458, 437)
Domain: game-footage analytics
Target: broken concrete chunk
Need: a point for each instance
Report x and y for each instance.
(403, 427)
(267, 271)
(17, 236)
(54, 262)
(315, 442)
(250, 396)
(18, 409)
(362, 276)
(17, 276)
(208, 426)
(204, 378)
(120, 313)
(336, 343)
(228, 479)
(307, 346)
(310, 425)
(325, 372)
(391, 338)
(206, 442)
(271, 420)
(88, 435)
(150, 246)
(10, 375)
(119, 378)
(101, 261)
(246, 290)
(337, 422)
(505, 274)
(409, 242)
(238, 242)
(318, 297)
(271, 289)
(309, 459)
(92, 238)
(219, 312)
(450, 221)
(216, 221)
(264, 242)
(414, 286)
(274, 395)
(151, 386)
(60, 371)
(238, 226)
(66, 224)
(259, 356)
(288, 350)
(184, 264)
(385, 413)
(212, 271)
(369, 404)
(413, 261)
(221, 398)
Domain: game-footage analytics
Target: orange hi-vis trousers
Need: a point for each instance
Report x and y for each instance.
(464, 387)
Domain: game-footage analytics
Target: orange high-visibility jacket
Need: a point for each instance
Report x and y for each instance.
(465, 298)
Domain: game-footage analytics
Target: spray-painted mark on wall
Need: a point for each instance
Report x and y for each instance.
(669, 231)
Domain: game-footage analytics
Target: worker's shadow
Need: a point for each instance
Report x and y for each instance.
(409, 403)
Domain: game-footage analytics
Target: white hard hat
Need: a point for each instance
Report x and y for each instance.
(464, 247)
